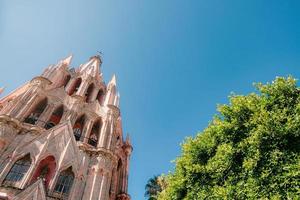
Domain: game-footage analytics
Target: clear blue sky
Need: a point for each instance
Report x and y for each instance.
(174, 60)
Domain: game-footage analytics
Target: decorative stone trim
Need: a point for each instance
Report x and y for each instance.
(123, 196)
(5, 119)
(115, 110)
(78, 97)
(40, 80)
(128, 148)
(20, 126)
(97, 151)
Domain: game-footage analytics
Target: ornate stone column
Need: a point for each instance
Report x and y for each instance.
(105, 186)
(94, 94)
(82, 89)
(105, 134)
(87, 130)
(70, 84)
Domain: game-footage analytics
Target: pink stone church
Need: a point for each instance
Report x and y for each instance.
(61, 137)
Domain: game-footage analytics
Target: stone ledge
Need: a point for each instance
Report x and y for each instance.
(20, 126)
(97, 151)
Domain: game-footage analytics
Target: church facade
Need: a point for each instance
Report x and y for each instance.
(61, 137)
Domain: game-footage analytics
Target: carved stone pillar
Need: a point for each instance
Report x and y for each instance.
(94, 94)
(128, 150)
(105, 185)
(70, 85)
(82, 89)
(94, 179)
(104, 132)
(87, 130)
(113, 186)
(90, 180)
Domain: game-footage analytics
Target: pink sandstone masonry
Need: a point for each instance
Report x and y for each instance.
(61, 137)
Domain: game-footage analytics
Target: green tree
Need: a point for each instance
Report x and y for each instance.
(250, 150)
(154, 186)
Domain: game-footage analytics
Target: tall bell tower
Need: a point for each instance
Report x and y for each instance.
(61, 137)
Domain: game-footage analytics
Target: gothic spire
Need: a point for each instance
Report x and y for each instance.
(113, 81)
(67, 61)
(92, 66)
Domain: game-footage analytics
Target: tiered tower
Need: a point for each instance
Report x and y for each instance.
(61, 137)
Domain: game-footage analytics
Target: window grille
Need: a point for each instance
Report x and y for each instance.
(64, 184)
(77, 133)
(18, 170)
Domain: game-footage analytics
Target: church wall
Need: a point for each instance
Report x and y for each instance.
(55, 148)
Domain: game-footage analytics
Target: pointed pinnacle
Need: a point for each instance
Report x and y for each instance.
(92, 66)
(67, 60)
(113, 80)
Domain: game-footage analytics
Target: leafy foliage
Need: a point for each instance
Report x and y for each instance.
(154, 186)
(249, 151)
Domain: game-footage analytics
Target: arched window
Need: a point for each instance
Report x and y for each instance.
(120, 177)
(18, 170)
(66, 80)
(33, 117)
(55, 117)
(95, 132)
(75, 86)
(100, 96)
(64, 184)
(45, 170)
(89, 92)
(78, 127)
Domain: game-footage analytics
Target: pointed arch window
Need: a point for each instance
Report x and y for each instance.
(89, 93)
(78, 127)
(95, 132)
(66, 80)
(18, 170)
(33, 117)
(120, 176)
(100, 96)
(45, 170)
(55, 117)
(75, 86)
(64, 184)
